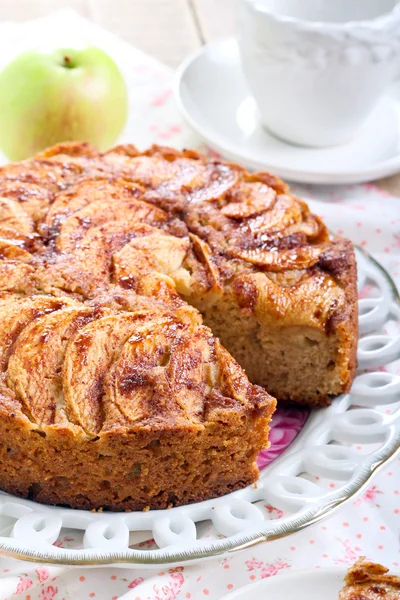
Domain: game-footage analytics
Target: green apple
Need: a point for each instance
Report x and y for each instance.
(58, 96)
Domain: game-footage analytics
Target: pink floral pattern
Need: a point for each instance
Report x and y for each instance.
(267, 569)
(285, 426)
(49, 593)
(350, 553)
(42, 574)
(135, 583)
(370, 496)
(276, 513)
(161, 97)
(172, 588)
(23, 585)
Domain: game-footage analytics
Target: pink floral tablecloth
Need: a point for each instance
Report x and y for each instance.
(368, 526)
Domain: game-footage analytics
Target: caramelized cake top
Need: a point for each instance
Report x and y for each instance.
(215, 225)
(100, 255)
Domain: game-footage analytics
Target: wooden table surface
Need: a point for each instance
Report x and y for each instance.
(165, 29)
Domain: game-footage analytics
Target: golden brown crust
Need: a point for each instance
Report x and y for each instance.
(102, 355)
(340, 262)
(366, 580)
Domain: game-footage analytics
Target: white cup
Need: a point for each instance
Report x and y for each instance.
(317, 68)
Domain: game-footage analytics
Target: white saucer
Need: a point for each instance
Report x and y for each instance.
(214, 98)
(316, 584)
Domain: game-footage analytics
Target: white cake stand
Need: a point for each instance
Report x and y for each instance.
(334, 457)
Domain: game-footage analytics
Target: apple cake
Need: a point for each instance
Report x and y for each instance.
(366, 580)
(128, 281)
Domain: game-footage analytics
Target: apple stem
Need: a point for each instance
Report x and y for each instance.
(68, 62)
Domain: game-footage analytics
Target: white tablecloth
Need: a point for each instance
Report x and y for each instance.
(369, 526)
